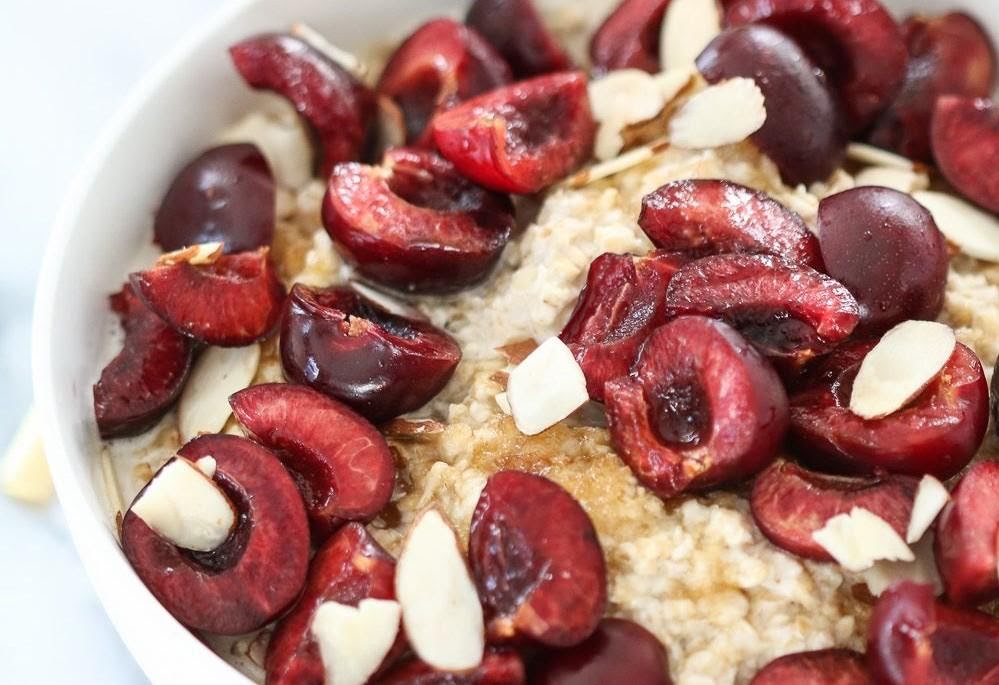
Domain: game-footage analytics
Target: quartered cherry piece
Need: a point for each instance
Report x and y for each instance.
(346, 346)
(498, 667)
(622, 302)
(515, 28)
(537, 562)
(143, 381)
(337, 106)
(251, 578)
(821, 667)
(523, 137)
(937, 433)
(341, 463)
(350, 567)
(965, 137)
(231, 302)
(700, 217)
(702, 408)
(789, 503)
(415, 223)
(629, 37)
(225, 195)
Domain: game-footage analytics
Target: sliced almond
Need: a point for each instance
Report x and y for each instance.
(186, 507)
(282, 138)
(387, 302)
(407, 428)
(611, 167)
(902, 180)
(25, 472)
(868, 154)
(546, 387)
(900, 366)
(922, 569)
(859, 539)
(688, 27)
(931, 498)
(218, 373)
(317, 40)
(440, 606)
(975, 232)
(196, 255)
(354, 641)
(518, 351)
(722, 114)
(503, 403)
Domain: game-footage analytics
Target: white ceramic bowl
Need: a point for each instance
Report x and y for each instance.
(106, 220)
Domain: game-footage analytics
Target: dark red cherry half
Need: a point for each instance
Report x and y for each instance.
(803, 133)
(967, 539)
(523, 137)
(913, 639)
(143, 381)
(231, 302)
(441, 64)
(787, 310)
(701, 408)
(415, 223)
(346, 346)
(350, 567)
(856, 43)
(629, 37)
(620, 651)
(337, 106)
(498, 667)
(225, 195)
(700, 217)
(789, 503)
(965, 136)
(537, 561)
(821, 667)
(622, 302)
(937, 433)
(341, 463)
(252, 577)
(515, 28)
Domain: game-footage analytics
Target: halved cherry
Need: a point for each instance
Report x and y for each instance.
(787, 310)
(441, 64)
(620, 651)
(341, 463)
(231, 302)
(337, 106)
(700, 217)
(937, 433)
(350, 567)
(950, 54)
(965, 136)
(520, 138)
(703, 408)
(887, 250)
(348, 347)
(622, 302)
(789, 503)
(537, 561)
(856, 42)
(915, 640)
(415, 223)
(225, 195)
(498, 667)
(803, 133)
(821, 667)
(629, 37)
(516, 29)
(143, 381)
(257, 572)
(967, 539)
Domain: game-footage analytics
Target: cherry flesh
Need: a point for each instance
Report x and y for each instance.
(821, 667)
(965, 138)
(629, 37)
(518, 32)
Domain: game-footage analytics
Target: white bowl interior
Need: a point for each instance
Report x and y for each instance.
(105, 222)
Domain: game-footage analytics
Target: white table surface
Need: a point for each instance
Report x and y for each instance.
(67, 64)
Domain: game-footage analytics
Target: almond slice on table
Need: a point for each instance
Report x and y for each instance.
(345, 59)
(196, 255)
(440, 605)
(722, 114)
(218, 373)
(900, 366)
(353, 641)
(546, 387)
(931, 498)
(875, 156)
(902, 180)
(25, 473)
(688, 27)
(974, 231)
(860, 538)
(184, 505)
